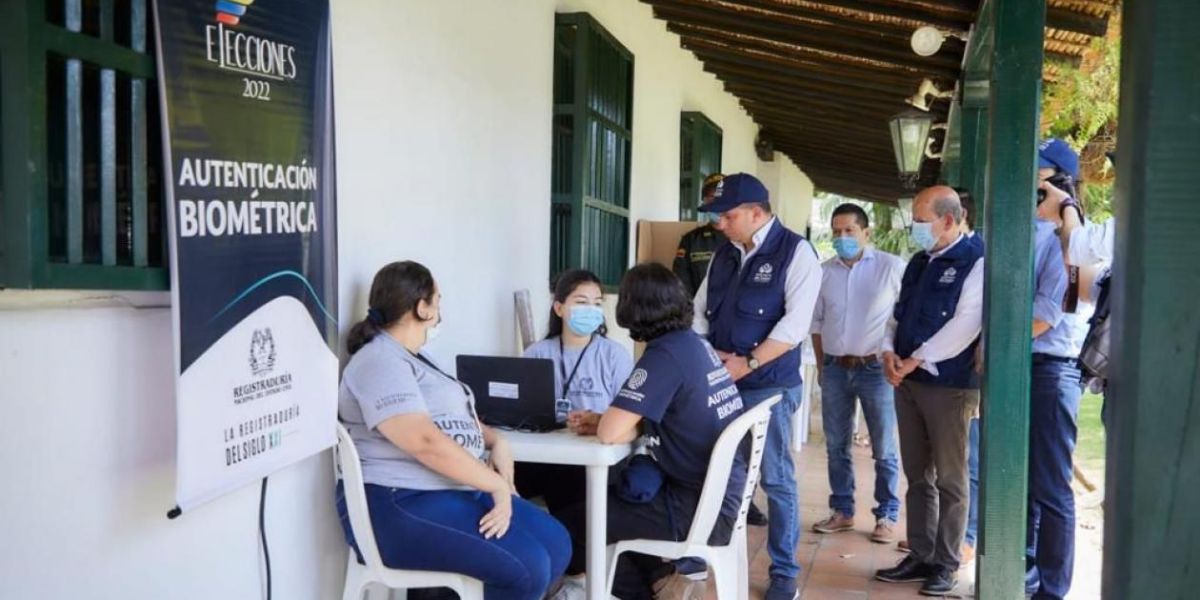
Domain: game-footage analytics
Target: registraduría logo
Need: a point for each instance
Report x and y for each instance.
(262, 352)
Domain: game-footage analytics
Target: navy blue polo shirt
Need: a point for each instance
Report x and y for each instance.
(686, 398)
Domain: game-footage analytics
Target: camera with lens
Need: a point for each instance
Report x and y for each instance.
(1060, 180)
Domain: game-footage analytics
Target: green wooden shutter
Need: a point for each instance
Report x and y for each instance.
(82, 200)
(699, 157)
(591, 149)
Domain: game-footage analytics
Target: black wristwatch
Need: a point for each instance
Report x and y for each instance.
(1071, 203)
(752, 362)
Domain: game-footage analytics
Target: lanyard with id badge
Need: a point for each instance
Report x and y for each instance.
(562, 404)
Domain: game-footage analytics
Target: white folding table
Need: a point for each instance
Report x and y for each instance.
(565, 448)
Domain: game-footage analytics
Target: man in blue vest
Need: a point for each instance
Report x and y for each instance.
(756, 305)
(929, 355)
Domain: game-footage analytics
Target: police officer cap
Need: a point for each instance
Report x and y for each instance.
(1056, 154)
(735, 190)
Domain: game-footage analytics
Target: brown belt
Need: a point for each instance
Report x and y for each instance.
(853, 362)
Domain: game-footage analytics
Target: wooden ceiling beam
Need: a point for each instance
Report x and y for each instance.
(807, 57)
(836, 89)
(800, 102)
(1068, 20)
(811, 119)
(832, 167)
(941, 14)
(833, 70)
(736, 61)
(820, 146)
(858, 111)
(868, 131)
(890, 185)
(710, 19)
(817, 10)
(853, 148)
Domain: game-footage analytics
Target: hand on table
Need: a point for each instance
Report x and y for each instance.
(583, 422)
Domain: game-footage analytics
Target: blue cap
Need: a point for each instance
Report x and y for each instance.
(734, 191)
(1056, 154)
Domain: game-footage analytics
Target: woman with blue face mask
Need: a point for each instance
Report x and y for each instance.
(589, 370)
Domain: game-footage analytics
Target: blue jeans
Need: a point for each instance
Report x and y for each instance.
(779, 480)
(1053, 410)
(973, 473)
(439, 531)
(839, 389)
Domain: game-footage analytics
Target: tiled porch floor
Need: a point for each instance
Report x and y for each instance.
(841, 566)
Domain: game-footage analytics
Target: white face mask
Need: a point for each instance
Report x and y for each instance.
(432, 332)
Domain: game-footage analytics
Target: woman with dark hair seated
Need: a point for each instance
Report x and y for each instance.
(589, 368)
(435, 503)
(682, 398)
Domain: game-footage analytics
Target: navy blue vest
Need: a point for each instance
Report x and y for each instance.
(929, 295)
(744, 304)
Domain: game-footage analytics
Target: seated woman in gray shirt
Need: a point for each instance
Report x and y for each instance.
(435, 504)
(589, 369)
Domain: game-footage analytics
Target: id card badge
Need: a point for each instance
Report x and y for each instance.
(562, 407)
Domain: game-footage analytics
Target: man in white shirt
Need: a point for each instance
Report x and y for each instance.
(929, 355)
(859, 288)
(755, 306)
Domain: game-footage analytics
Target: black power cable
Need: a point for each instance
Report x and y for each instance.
(262, 533)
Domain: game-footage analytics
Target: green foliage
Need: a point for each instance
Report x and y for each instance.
(1083, 100)
(884, 234)
(895, 241)
(1097, 201)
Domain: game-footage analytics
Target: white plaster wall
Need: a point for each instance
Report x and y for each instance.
(87, 448)
(791, 191)
(443, 144)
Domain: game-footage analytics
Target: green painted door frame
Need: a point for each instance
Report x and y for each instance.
(1010, 179)
(1151, 528)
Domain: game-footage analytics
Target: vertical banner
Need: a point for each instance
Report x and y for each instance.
(247, 109)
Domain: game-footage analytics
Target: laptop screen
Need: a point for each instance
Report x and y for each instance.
(514, 393)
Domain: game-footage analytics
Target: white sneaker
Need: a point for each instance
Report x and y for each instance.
(572, 588)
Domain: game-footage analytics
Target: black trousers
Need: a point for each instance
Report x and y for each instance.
(667, 517)
(560, 486)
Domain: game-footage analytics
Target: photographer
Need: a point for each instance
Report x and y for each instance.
(1055, 384)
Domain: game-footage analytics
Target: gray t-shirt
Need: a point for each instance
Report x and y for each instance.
(605, 368)
(384, 379)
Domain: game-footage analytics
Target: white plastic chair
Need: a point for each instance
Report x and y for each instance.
(348, 468)
(729, 563)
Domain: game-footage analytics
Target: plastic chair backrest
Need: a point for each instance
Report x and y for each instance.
(348, 468)
(716, 480)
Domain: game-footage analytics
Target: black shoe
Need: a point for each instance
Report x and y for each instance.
(755, 517)
(909, 570)
(940, 583)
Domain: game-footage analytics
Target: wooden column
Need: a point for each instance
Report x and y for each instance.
(1152, 527)
(1016, 70)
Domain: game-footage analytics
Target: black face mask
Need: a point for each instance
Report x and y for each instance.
(1060, 180)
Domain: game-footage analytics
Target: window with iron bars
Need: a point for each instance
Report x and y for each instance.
(81, 196)
(593, 124)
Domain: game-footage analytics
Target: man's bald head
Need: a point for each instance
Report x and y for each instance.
(941, 207)
(942, 200)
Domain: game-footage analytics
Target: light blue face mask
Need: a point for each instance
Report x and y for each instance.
(585, 319)
(922, 234)
(847, 247)
(705, 218)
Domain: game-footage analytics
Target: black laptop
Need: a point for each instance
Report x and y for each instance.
(513, 393)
